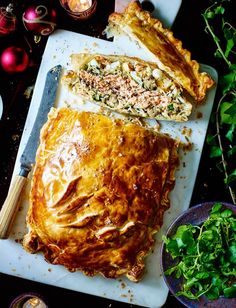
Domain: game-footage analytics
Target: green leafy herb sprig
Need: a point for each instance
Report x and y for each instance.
(223, 139)
(205, 256)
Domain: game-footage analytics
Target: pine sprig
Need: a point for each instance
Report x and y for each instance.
(222, 142)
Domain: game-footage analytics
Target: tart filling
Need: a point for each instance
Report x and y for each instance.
(128, 85)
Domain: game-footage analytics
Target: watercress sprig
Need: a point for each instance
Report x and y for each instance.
(222, 140)
(205, 256)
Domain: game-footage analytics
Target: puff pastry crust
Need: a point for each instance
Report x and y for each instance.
(167, 50)
(99, 191)
(127, 85)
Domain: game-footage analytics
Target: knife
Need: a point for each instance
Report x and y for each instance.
(11, 204)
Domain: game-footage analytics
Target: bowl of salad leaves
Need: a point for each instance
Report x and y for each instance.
(198, 252)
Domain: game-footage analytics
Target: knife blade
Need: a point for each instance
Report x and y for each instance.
(47, 101)
(11, 204)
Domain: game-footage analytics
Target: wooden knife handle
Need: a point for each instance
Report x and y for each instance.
(11, 206)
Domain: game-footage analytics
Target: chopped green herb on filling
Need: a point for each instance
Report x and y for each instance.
(205, 256)
(170, 107)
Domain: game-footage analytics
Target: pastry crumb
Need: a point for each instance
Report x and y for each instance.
(186, 131)
(187, 146)
(199, 115)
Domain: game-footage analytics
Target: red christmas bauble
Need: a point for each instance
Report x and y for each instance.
(14, 60)
(7, 20)
(40, 19)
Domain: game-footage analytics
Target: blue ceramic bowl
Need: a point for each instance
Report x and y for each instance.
(196, 215)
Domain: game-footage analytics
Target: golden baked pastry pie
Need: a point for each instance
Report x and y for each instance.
(99, 191)
(167, 50)
(127, 85)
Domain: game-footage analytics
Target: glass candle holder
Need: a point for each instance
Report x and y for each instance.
(28, 300)
(79, 9)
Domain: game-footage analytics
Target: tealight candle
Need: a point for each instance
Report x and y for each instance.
(79, 9)
(28, 300)
(79, 5)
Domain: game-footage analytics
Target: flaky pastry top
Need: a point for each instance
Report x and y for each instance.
(99, 191)
(167, 50)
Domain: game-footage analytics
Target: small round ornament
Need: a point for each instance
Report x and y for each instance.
(7, 20)
(39, 19)
(14, 59)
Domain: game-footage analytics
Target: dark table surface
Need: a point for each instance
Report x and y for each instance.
(209, 186)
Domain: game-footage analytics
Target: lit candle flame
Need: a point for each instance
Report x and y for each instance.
(79, 5)
(34, 302)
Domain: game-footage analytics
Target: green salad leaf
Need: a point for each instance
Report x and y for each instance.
(205, 256)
